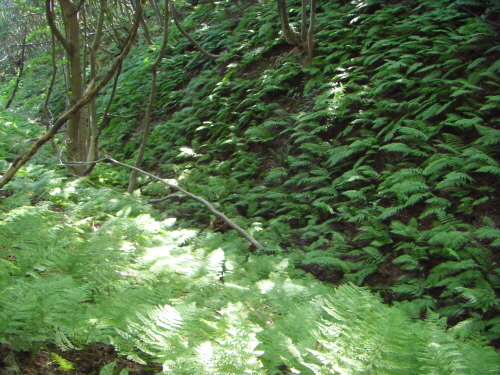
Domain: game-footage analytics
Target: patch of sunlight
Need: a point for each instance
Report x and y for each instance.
(265, 286)
(83, 222)
(156, 253)
(283, 265)
(183, 235)
(293, 289)
(124, 212)
(169, 222)
(229, 285)
(359, 3)
(216, 261)
(128, 247)
(146, 222)
(55, 191)
(205, 353)
(256, 227)
(168, 258)
(186, 151)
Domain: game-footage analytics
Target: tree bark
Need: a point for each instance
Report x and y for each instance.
(310, 35)
(290, 37)
(144, 27)
(46, 112)
(104, 121)
(303, 26)
(94, 126)
(76, 132)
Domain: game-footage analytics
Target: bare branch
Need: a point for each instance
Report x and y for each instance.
(178, 196)
(203, 201)
(198, 46)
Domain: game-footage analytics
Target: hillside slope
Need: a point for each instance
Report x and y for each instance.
(376, 162)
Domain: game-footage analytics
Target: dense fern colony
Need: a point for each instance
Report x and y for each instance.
(89, 265)
(375, 164)
(372, 163)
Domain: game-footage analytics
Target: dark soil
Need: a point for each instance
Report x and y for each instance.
(83, 362)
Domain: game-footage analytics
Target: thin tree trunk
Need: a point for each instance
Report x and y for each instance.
(303, 26)
(46, 112)
(20, 74)
(144, 27)
(154, 70)
(310, 36)
(290, 36)
(157, 11)
(104, 121)
(94, 126)
(175, 15)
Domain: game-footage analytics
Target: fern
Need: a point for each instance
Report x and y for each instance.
(360, 335)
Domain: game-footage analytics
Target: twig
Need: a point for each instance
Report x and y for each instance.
(207, 204)
(477, 16)
(178, 196)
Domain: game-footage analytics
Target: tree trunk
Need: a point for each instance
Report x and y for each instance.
(46, 112)
(310, 36)
(94, 126)
(303, 26)
(76, 132)
(18, 79)
(290, 36)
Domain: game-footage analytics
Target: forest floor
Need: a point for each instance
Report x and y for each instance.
(53, 361)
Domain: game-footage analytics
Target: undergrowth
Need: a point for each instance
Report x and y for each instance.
(86, 264)
(375, 165)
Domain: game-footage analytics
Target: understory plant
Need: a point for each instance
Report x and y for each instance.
(82, 264)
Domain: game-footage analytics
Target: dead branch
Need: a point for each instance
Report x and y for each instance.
(203, 201)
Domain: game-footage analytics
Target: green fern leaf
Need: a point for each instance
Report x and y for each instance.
(454, 179)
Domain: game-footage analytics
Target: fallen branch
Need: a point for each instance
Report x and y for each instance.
(178, 196)
(207, 204)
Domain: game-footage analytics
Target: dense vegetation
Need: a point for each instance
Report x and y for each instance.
(368, 171)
